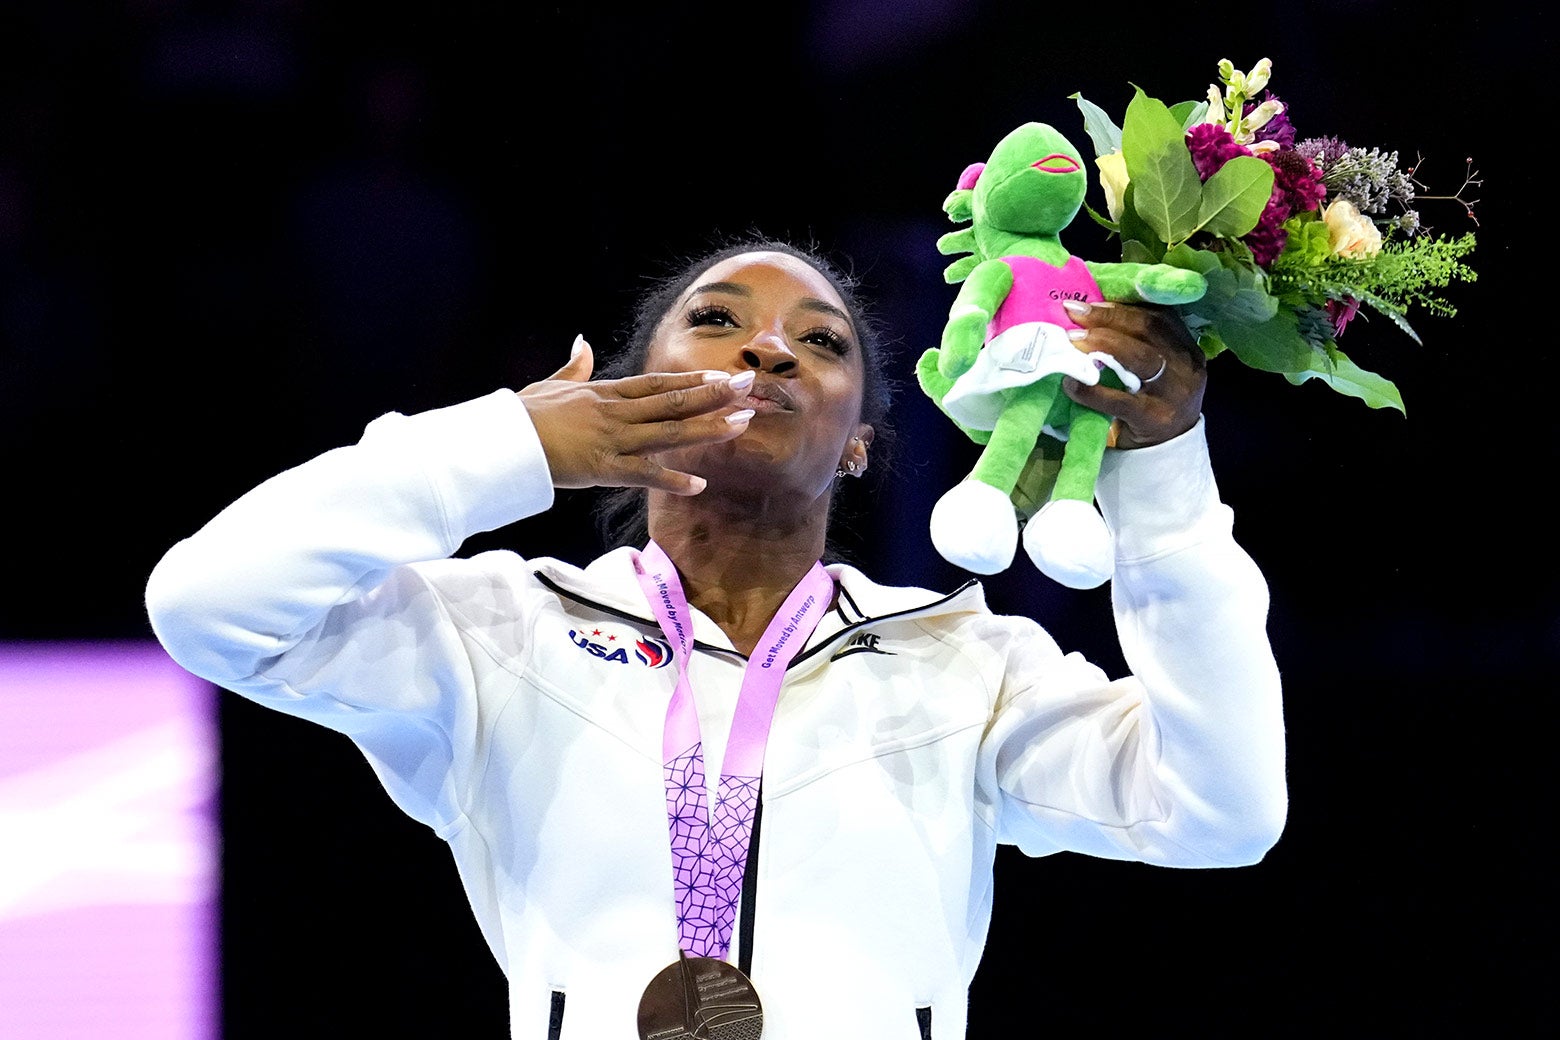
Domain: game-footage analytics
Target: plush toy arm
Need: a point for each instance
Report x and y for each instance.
(1148, 283)
(959, 205)
(954, 242)
(965, 331)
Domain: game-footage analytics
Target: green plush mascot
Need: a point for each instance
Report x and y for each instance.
(1005, 350)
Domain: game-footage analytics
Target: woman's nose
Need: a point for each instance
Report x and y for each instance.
(769, 352)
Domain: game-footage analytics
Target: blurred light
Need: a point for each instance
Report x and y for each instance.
(108, 845)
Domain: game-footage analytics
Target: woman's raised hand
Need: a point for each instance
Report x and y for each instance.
(1154, 344)
(603, 433)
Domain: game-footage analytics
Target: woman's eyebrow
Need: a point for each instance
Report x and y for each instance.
(811, 303)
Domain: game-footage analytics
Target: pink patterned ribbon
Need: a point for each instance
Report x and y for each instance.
(710, 847)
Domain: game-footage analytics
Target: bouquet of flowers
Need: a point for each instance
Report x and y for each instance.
(1293, 237)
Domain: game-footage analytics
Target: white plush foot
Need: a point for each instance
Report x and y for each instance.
(973, 526)
(1069, 542)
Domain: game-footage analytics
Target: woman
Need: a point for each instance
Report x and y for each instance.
(590, 742)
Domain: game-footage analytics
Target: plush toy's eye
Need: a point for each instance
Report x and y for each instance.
(1057, 162)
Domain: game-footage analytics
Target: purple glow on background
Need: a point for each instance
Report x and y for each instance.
(108, 845)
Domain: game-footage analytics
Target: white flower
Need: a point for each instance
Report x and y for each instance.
(1349, 232)
(1113, 178)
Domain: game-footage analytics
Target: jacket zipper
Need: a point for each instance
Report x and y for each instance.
(555, 1016)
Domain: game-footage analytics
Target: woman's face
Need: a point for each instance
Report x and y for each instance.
(775, 315)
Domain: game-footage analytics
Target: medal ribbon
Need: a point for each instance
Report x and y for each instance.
(710, 844)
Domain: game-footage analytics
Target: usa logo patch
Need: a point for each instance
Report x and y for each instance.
(620, 646)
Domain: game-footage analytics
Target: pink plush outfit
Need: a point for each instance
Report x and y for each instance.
(1027, 340)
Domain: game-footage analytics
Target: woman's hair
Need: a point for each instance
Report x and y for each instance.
(621, 515)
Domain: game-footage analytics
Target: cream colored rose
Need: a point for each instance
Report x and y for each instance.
(1350, 232)
(1113, 178)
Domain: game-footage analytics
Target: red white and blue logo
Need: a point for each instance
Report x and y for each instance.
(620, 647)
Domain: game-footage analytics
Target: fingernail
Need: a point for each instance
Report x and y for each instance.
(1077, 334)
(579, 345)
(1077, 308)
(743, 380)
(698, 484)
(738, 418)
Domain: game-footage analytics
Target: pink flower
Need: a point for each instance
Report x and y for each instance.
(1342, 313)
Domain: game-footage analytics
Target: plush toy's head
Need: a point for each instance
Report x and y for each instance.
(1032, 184)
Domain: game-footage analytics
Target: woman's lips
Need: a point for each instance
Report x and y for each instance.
(766, 399)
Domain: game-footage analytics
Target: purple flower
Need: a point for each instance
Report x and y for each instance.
(1278, 129)
(1297, 187)
(1297, 179)
(1323, 151)
(1212, 146)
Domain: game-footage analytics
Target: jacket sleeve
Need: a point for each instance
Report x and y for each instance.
(309, 593)
(1182, 762)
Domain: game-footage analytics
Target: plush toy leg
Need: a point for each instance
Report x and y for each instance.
(974, 525)
(1067, 540)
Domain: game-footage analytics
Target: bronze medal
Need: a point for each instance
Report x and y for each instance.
(700, 998)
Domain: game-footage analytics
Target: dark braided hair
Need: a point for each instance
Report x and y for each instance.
(622, 513)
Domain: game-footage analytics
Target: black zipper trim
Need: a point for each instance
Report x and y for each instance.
(846, 597)
(750, 889)
(848, 629)
(555, 1016)
(923, 1018)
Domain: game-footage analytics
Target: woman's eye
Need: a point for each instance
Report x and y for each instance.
(828, 339)
(712, 315)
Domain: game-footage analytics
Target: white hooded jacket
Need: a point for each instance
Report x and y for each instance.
(516, 707)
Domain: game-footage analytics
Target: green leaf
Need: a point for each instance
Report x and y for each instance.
(1102, 129)
(1381, 306)
(1189, 113)
(1235, 196)
(1348, 378)
(1159, 165)
(1134, 251)
(1135, 229)
(1100, 218)
(1274, 345)
(1200, 260)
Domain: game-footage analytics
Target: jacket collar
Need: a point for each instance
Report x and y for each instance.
(609, 583)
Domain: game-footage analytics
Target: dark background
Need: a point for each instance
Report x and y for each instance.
(231, 233)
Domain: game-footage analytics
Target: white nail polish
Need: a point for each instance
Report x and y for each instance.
(743, 380)
(737, 418)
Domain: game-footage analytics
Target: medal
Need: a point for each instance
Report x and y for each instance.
(700, 998)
